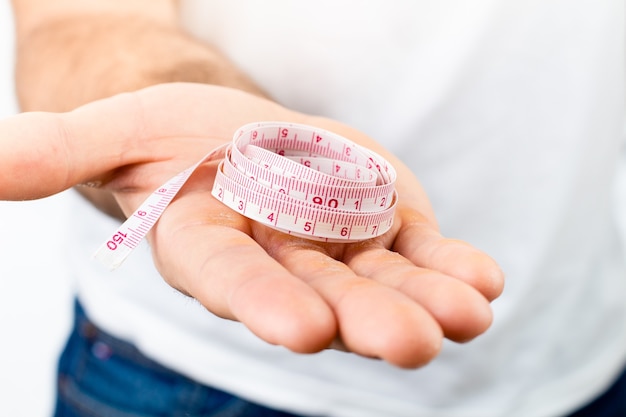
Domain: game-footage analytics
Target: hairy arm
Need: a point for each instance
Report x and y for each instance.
(71, 52)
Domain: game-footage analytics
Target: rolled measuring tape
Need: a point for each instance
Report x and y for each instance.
(295, 178)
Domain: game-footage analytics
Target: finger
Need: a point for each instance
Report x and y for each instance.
(201, 250)
(34, 159)
(418, 241)
(461, 311)
(374, 320)
(48, 152)
(45, 153)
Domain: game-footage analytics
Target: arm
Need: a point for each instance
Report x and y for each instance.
(72, 52)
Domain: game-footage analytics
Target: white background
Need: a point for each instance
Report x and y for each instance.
(35, 294)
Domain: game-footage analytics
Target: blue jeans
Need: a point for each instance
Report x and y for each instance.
(101, 376)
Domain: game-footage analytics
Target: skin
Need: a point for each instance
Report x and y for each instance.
(394, 297)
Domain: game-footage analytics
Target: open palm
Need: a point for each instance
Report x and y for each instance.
(394, 297)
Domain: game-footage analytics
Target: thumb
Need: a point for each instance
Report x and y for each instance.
(45, 153)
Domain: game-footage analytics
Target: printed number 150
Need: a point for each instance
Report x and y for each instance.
(116, 240)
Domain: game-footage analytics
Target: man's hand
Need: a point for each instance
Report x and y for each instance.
(393, 297)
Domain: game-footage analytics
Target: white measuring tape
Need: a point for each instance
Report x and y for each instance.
(298, 179)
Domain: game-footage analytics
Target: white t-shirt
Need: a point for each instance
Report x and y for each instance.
(511, 114)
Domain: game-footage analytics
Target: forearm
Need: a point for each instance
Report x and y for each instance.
(67, 61)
